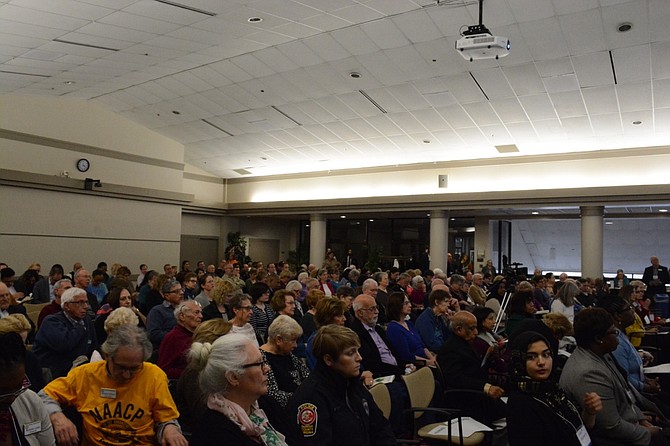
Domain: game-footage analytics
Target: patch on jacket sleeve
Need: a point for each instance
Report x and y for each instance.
(307, 419)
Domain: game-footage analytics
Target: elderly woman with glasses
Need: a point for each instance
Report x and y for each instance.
(23, 418)
(232, 378)
(121, 400)
(401, 333)
(591, 368)
(287, 370)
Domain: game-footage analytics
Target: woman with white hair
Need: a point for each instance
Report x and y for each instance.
(286, 371)
(233, 377)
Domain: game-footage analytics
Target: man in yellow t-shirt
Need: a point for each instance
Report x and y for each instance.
(122, 400)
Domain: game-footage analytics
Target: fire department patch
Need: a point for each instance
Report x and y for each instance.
(307, 419)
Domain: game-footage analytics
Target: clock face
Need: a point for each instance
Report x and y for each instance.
(83, 165)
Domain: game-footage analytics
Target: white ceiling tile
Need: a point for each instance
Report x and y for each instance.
(456, 117)
(473, 137)
(577, 127)
(342, 131)
(601, 100)
(509, 110)
(660, 59)
(571, 6)
(544, 39)
(494, 83)
(382, 68)
(626, 12)
(584, 32)
(355, 41)
(252, 65)
(464, 88)
(482, 113)
(632, 64)
(300, 54)
(527, 11)
(337, 107)
(497, 134)
(522, 132)
(391, 7)
(549, 129)
(409, 97)
(324, 23)
(554, 67)
(662, 118)
(327, 47)
(136, 22)
(633, 97)
(647, 126)
(593, 70)
(608, 124)
(176, 44)
(661, 89)
(659, 11)
(41, 18)
(407, 122)
(384, 125)
(524, 79)
(538, 106)
(363, 128)
(431, 119)
(164, 12)
(417, 27)
(563, 82)
(568, 104)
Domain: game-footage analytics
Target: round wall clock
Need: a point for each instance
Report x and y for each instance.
(83, 164)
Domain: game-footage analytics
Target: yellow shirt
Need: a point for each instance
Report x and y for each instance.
(116, 414)
(638, 331)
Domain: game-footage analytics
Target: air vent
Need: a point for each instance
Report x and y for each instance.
(242, 171)
(483, 39)
(509, 148)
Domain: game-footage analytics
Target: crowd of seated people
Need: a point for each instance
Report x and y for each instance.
(276, 342)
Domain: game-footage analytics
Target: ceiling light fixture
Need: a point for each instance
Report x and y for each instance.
(662, 210)
(535, 213)
(624, 27)
(637, 123)
(343, 216)
(255, 19)
(609, 223)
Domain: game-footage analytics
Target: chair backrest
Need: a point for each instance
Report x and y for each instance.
(380, 393)
(33, 311)
(420, 387)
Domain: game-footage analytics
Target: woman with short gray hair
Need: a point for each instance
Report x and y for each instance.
(233, 377)
(287, 371)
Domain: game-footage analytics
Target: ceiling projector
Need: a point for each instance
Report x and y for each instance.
(483, 46)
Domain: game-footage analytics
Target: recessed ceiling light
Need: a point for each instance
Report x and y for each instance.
(355, 75)
(637, 122)
(358, 222)
(662, 210)
(68, 82)
(624, 27)
(609, 223)
(426, 141)
(372, 219)
(535, 213)
(254, 19)
(428, 214)
(452, 219)
(307, 226)
(343, 216)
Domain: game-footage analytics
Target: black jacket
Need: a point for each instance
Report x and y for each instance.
(329, 410)
(372, 360)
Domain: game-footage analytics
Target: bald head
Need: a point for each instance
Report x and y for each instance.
(464, 325)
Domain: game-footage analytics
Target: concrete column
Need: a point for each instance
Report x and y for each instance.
(592, 240)
(482, 243)
(317, 239)
(439, 241)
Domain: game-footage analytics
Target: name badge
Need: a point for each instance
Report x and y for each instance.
(32, 428)
(583, 436)
(108, 393)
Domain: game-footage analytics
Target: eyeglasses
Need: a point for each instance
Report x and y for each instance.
(374, 309)
(260, 363)
(175, 291)
(124, 369)
(246, 308)
(80, 303)
(25, 385)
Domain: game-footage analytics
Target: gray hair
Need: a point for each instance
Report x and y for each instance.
(379, 276)
(285, 327)
(60, 283)
(477, 276)
(120, 316)
(226, 354)
(294, 285)
(437, 271)
(416, 280)
(367, 284)
(182, 307)
(457, 279)
(567, 293)
(167, 286)
(302, 276)
(70, 294)
(130, 336)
